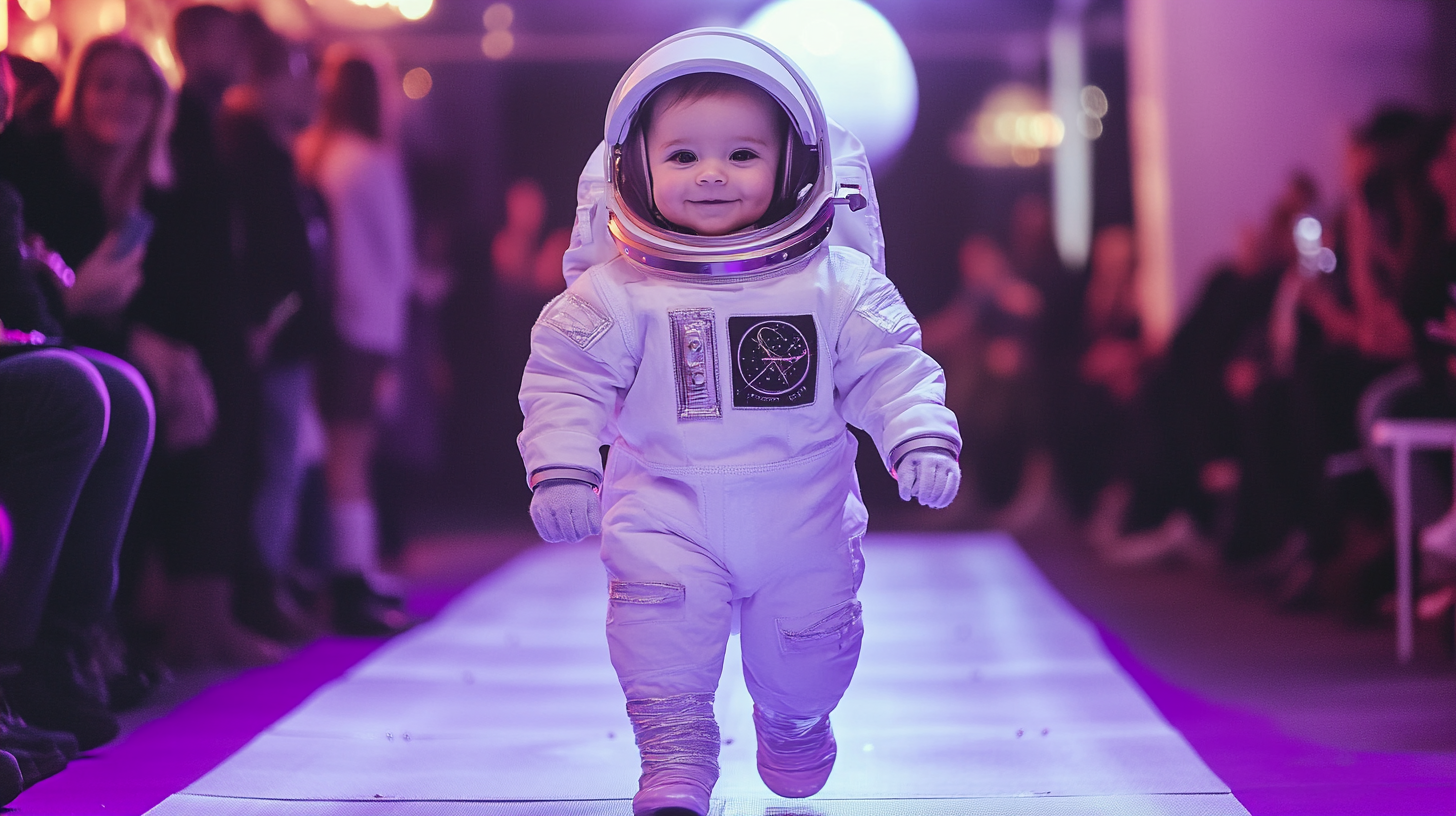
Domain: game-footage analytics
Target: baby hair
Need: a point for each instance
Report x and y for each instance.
(692, 87)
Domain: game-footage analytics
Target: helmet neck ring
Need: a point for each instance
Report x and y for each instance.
(767, 257)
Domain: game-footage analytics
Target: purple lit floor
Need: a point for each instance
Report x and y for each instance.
(971, 656)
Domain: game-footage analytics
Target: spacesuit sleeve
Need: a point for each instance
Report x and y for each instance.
(886, 384)
(579, 364)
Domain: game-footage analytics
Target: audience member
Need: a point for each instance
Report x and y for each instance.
(1416, 244)
(1092, 408)
(75, 432)
(1352, 346)
(985, 341)
(1179, 474)
(279, 241)
(1432, 311)
(350, 156)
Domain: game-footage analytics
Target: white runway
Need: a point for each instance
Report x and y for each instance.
(980, 691)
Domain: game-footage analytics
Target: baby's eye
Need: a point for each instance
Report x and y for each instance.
(683, 157)
(743, 155)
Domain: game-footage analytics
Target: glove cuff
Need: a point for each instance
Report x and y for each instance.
(567, 472)
(949, 447)
(556, 482)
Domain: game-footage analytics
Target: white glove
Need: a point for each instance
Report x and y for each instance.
(566, 510)
(931, 475)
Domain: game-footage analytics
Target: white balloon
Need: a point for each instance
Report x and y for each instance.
(857, 63)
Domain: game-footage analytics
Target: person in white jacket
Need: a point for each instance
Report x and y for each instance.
(722, 354)
(350, 158)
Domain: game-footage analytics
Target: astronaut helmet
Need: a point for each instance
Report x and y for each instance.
(801, 211)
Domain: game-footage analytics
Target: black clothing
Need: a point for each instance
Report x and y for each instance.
(24, 304)
(75, 433)
(273, 219)
(1187, 415)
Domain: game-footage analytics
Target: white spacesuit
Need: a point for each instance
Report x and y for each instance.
(722, 370)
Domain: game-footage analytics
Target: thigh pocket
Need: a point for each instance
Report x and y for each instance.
(646, 602)
(828, 628)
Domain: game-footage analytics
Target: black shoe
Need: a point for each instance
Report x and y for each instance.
(37, 753)
(361, 611)
(261, 603)
(15, 734)
(35, 765)
(62, 687)
(128, 688)
(11, 780)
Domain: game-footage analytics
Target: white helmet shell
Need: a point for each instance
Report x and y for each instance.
(763, 249)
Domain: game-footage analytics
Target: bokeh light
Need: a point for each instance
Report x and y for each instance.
(111, 17)
(415, 9)
(42, 43)
(498, 17)
(417, 83)
(498, 44)
(36, 10)
(1012, 127)
(857, 63)
(1094, 107)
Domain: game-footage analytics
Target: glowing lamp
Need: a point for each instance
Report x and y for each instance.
(857, 63)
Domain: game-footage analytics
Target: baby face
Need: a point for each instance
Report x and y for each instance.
(714, 162)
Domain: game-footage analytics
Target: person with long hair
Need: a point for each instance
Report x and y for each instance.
(86, 182)
(75, 432)
(350, 157)
(98, 191)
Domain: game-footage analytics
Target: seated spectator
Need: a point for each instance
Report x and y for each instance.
(93, 189)
(75, 433)
(1093, 408)
(1351, 338)
(985, 341)
(1423, 386)
(1177, 483)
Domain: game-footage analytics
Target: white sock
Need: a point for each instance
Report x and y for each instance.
(356, 538)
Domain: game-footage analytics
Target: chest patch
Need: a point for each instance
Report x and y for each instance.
(775, 360)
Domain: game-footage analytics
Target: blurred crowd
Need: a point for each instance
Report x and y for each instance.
(209, 297)
(1244, 441)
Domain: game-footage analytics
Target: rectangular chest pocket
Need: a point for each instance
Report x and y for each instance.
(646, 602)
(695, 363)
(775, 360)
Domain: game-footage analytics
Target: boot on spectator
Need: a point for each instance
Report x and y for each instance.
(262, 603)
(361, 610)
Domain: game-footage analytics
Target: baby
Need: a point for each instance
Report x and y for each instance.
(722, 355)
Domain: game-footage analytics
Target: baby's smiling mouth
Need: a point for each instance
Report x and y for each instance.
(710, 201)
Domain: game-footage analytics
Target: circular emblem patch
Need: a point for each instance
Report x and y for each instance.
(774, 357)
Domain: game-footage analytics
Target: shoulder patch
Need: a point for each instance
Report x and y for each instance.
(884, 307)
(581, 322)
